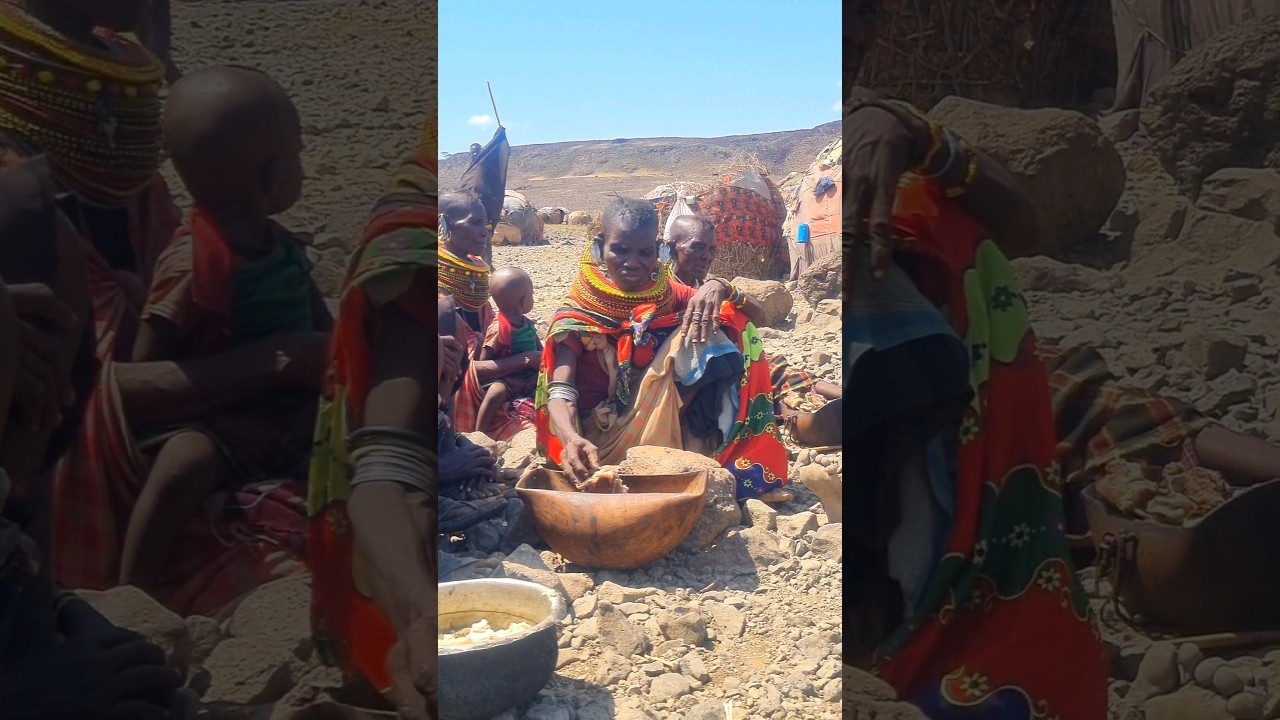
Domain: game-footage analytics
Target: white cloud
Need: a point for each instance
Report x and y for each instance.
(836, 107)
(480, 120)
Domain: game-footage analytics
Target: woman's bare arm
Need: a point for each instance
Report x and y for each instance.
(394, 524)
(563, 415)
(168, 391)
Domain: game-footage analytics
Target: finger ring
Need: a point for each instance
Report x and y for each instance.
(697, 314)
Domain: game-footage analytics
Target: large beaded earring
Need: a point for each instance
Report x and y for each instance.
(597, 256)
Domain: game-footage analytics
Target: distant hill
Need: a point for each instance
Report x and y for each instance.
(582, 175)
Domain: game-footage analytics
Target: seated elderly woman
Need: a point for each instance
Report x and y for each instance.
(634, 357)
(693, 247)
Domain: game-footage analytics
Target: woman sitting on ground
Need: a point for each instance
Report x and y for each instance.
(58, 657)
(634, 357)
(105, 160)
(692, 243)
(964, 595)
(464, 289)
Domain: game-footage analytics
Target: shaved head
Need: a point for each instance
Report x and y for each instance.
(687, 226)
(234, 135)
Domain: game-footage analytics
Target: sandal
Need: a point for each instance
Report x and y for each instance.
(458, 515)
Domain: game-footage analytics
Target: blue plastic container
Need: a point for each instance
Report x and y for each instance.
(802, 233)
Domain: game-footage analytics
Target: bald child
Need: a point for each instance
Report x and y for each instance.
(510, 334)
(231, 276)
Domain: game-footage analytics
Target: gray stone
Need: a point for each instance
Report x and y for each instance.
(817, 645)
(764, 546)
(771, 295)
(543, 711)
(1191, 703)
(728, 622)
(707, 710)
(692, 666)
(244, 672)
(205, 634)
(576, 584)
(669, 686)
(618, 632)
(611, 668)
(1217, 352)
(616, 594)
(795, 526)
(132, 609)
(1158, 672)
(828, 542)
(760, 515)
(683, 624)
(822, 280)
(585, 606)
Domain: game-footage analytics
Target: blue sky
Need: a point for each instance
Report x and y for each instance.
(582, 70)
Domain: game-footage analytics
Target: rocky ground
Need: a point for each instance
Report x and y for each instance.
(743, 620)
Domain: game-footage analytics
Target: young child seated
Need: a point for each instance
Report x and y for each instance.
(510, 334)
(231, 276)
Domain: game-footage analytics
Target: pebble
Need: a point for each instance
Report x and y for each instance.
(1189, 656)
(1205, 671)
(669, 686)
(1158, 672)
(1246, 706)
(1227, 682)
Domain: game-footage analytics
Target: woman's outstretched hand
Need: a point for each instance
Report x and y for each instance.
(702, 316)
(579, 459)
(880, 146)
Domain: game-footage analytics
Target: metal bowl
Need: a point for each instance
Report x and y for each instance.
(485, 679)
(614, 531)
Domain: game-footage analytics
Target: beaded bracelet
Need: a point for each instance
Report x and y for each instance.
(970, 175)
(62, 600)
(953, 151)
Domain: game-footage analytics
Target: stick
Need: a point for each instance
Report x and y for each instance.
(493, 103)
(1220, 641)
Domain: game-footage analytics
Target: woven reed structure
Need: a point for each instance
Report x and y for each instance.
(1021, 53)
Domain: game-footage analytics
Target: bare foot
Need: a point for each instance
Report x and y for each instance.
(455, 568)
(777, 496)
(827, 487)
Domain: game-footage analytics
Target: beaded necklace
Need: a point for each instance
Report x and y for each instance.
(467, 282)
(95, 113)
(594, 292)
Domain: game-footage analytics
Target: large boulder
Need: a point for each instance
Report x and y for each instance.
(1220, 106)
(1072, 172)
(1249, 193)
(552, 215)
(822, 280)
(771, 295)
(580, 217)
(130, 608)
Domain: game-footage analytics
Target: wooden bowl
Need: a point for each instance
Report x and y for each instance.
(614, 531)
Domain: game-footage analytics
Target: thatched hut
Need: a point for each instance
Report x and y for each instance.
(747, 209)
(813, 199)
(519, 223)
(1021, 53)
